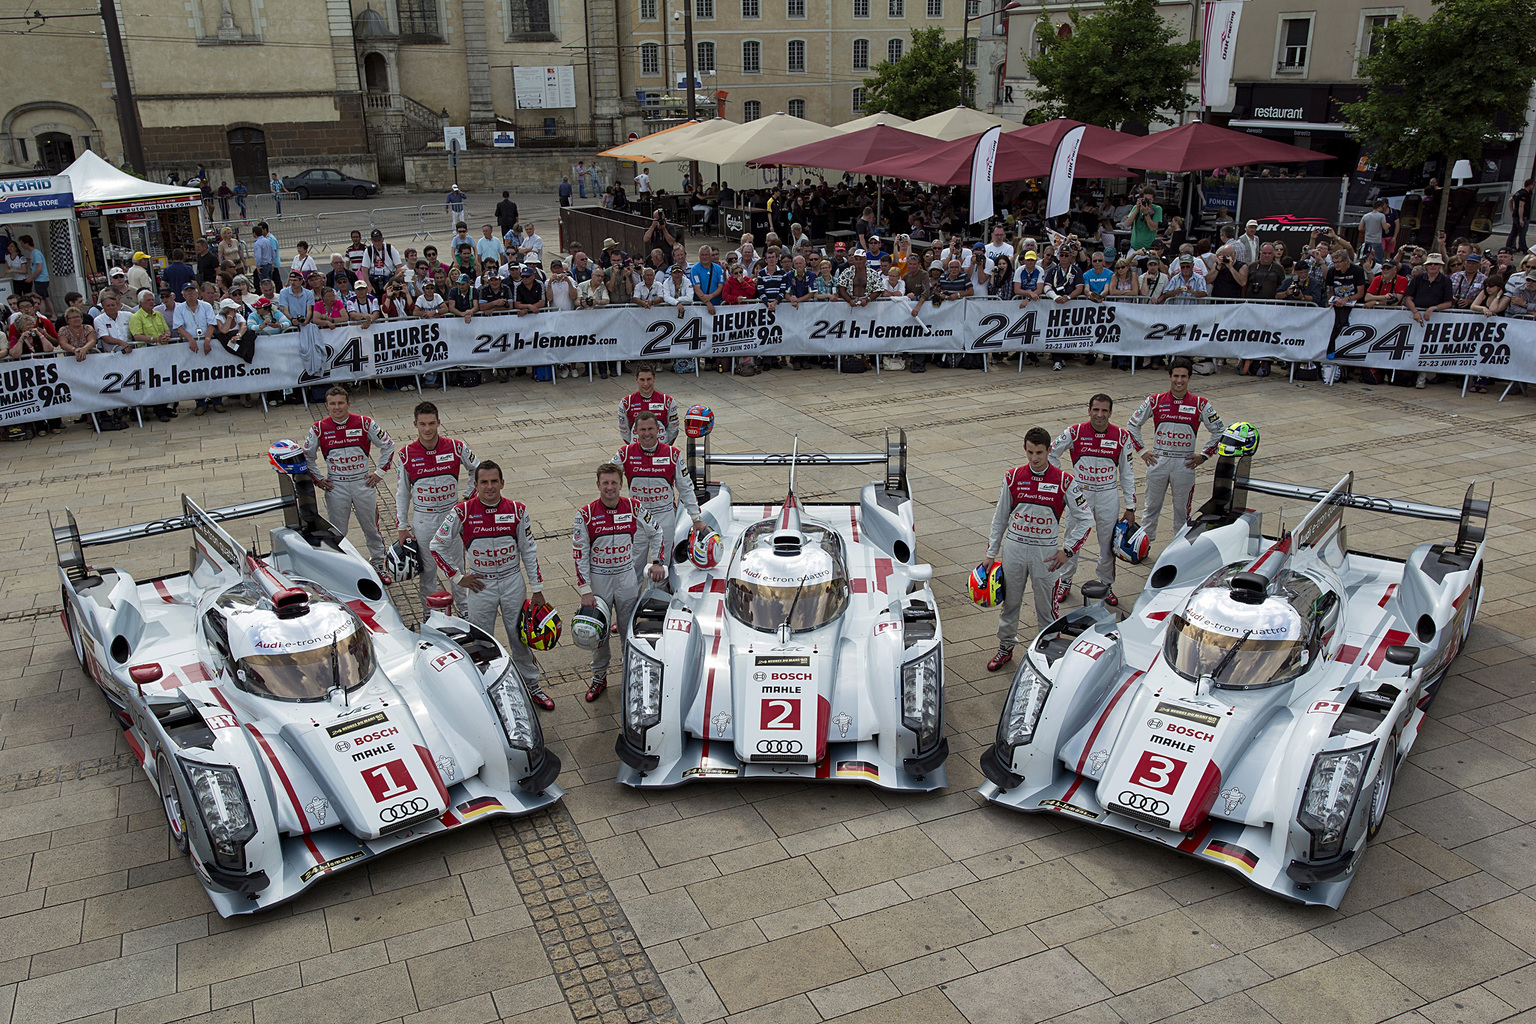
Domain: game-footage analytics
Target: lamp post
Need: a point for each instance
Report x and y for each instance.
(1006, 10)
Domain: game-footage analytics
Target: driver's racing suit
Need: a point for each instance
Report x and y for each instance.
(428, 488)
(1037, 515)
(1175, 421)
(1107, 475)
(497, 544)
(345, 447)
(611, 548)
(664, 406)
(652, 476)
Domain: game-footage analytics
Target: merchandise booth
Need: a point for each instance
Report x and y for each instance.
(121, 214)
(42, 206)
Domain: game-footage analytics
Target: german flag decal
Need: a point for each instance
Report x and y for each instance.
(479, 805)
(1232, 854)
(858, 770)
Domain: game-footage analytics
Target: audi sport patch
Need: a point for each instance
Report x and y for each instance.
(332, 865)
(342, 728)
(771, 660)
(1231, 853)
(858, 770)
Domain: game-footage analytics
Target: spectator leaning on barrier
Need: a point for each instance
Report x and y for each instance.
(1184, 286)
(1263, 278)
(113, 333)
(1386, 288)
(708, 278)
(296, 300)
(1345, 286)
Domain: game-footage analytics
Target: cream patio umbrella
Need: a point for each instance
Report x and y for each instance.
(870, 120)
(659, 147)
(957, 123)
(740, 143)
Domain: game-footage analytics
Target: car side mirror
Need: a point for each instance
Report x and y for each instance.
(921, 573)
(1094, 590)
(440, 601)
(1405, 656)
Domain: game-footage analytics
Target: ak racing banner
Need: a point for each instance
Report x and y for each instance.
(31, 389)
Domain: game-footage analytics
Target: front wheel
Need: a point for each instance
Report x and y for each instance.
(72, 627)
(1381, 793)
(170, 799)
(301, 192)
(359, 193)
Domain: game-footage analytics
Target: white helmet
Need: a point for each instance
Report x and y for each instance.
(590, 624)
(704, 548)
(403, 561)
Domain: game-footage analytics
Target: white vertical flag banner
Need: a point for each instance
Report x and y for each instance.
(983, 161)
(1062, 168)
(1218, 45)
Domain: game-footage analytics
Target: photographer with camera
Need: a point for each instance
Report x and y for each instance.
(1227, 277)
(1145, 219)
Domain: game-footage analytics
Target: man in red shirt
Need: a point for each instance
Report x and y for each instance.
(648, 399)
(1101, 459)
(345, 440)
(658, 478)
(1176, 415)
(429, 487)
(1387, 288)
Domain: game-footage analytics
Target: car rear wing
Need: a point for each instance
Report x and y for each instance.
(894, 458)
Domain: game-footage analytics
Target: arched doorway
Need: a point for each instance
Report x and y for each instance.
(376, 72)
(248, 157)
(55, 150)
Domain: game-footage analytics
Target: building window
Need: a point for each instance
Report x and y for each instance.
(419, 21)
(751, 57)
(705, 61)
(893, 50)
(971, 46)
(861, 55)
(797, 108)
(973, 8)
(647, 10)
(858, 98)
(795, 52)
(970, 93)
(897, 9)
(751, 8)
(527, 17)
(751, 110)
(861, 8)
(1293, 44)
(935, 8)
(704, 10)
(794, 9)
(1372, 21)
(650, 59)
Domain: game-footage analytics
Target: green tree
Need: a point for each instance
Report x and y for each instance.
(1119, 64)
(1438, 86)
(927, 79)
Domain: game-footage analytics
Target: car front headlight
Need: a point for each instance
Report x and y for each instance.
(224, 809)
(518, 721)
(1328, 802)
(922, 697)
(1021, 712)
(642, 694)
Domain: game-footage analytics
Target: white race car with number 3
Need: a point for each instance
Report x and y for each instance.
(1255, 705)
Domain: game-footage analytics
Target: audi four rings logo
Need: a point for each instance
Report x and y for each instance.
(1142, 802)
(404, 809)
(759, 676)
(1154, 723)
(779, 746)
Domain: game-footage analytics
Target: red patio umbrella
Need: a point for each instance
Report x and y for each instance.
(1099, 143)
(1202, 147)
(878, 142)
(950, 163)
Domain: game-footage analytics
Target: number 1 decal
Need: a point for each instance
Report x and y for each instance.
(1157, 771)
(388, 780)
(781, 713)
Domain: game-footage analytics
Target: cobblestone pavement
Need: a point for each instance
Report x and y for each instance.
(778, 903)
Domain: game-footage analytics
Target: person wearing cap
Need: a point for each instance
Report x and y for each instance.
(1184, 287)
(1029, 282)
(193, 322)
(529, 296)
(461, 297)
(363, 306)
(1247, 244)
(296, 300)
(266, 317)
(840, 261)
(1428, 293)
(676, 288)
(454, 205)
(610, 256)
(857, 284)
(139, 275)
(380, 260)
(874, 250)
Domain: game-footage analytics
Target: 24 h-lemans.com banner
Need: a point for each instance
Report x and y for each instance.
(31, 389)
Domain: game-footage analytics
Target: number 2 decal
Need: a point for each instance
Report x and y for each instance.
(1159, 772)
(781, 713)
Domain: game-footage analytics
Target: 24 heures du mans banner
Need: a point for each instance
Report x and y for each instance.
(1453, 343)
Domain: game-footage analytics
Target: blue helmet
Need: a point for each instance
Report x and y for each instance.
(288, 457)
(1131, 543)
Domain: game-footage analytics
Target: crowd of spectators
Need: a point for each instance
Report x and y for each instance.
(230, 294)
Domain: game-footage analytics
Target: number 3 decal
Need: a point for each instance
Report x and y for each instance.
(1155, 771)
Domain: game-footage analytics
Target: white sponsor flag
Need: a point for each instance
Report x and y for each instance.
(1062, 168)
(982, 163)
(1218, 45)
